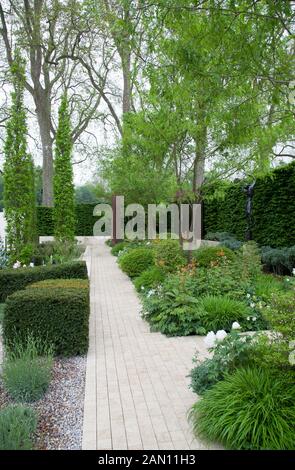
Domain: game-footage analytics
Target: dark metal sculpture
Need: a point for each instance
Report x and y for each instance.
(249, 190)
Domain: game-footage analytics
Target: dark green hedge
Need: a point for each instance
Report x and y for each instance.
(273, 209)
(45, 224)
(84, 220)
(59, 317)
(12, 280)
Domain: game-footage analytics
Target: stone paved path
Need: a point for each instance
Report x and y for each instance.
(137, 394)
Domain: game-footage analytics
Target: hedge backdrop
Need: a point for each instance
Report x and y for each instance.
(84, 220)
(273, 211)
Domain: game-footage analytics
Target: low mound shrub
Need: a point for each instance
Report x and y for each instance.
(250, 409)
(219, 312)
(27, 370)
(210, 256)
(149, 279)
(278, 260)
(12, 280)
(226, 239)
(136, 261)
(58, 317)
(17, 426)
(169, 255)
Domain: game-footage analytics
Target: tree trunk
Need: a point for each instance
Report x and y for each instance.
(126, 64)
(43, 111)
(199, 163)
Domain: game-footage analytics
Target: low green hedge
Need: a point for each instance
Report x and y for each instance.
(60, 284)
(59, 317)
(12, 280)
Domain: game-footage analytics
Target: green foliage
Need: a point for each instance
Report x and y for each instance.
(279, 260)
(17, 426)
(273, 209)
(205, 375)
(235, 350)
(12, 280)
(172, 308)
(219, 312)
(118, 247)
(25, 255)
(1, 312)
(60, 284)
(150, 278)
(266, 284)
(3, 255)
(220, 280)
(249, 261)
(26, 373)
(57, 252)
(281, 313)
(226, 239)
(90, 193)
(136, 176)
(64, 210)
(136, 261)
(209, 256)
(84, 220)
(57, 316)
(169, 254)
(250, 409)
(1, 193)
(19, 195)
(45, 223)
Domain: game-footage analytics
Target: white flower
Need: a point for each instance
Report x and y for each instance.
(254, 319)
(236, 326)
(293, 271)
(24, 265)
(248, 318)
(252, 305)
(17, 265)
(32, 265)
(210, 339)
(142, 287)
(287, 279)
(220, 335)
(248, 296)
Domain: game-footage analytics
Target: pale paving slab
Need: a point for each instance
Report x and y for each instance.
(137, 394)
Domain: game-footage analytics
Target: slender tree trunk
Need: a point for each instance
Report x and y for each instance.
(43, 110)
(126, 64)
(199, 162)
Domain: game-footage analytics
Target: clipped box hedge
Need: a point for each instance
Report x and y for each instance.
(57, 316)
(12, 280)
(60, 284)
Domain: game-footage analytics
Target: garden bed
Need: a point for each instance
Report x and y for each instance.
(60, 411)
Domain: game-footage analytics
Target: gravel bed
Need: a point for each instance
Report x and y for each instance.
(60, 411)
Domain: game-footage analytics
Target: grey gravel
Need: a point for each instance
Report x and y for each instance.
(60, 411)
